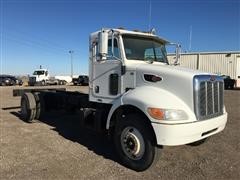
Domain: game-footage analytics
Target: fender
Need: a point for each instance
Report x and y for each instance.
(149, 96)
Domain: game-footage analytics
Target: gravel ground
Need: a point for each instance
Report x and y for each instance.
(57, 148)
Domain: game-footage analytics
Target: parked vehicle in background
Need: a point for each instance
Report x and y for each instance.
(16, 81)
(75, 80)
(5, 81)
(42, 77)
(229, 83)
(39, 77)
(9, 80)
(81, 80)
(66, 79)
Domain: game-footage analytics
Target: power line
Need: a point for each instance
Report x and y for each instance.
(21, 36)
(33, 45)
(27, 36)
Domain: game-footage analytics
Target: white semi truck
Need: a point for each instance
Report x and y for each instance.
(42, 77)
(137, 98)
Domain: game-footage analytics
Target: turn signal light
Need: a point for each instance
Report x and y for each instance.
(167, 114)
(156, 113)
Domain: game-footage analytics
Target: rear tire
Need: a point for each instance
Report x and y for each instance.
(64, 82)
(40, 106)
(28, 107)
(135, 143)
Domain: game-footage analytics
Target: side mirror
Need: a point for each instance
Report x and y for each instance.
(178, 54)
(103, 44)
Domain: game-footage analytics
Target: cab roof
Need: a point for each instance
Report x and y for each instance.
(40, 70)
(133, 32)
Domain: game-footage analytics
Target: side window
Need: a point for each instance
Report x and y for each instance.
(159, 54)
(115, 48)
(95, 51)
(149, 54)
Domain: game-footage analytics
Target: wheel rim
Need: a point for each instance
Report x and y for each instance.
(132, 143)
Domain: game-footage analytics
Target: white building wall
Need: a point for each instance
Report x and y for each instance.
(220, 63)
(189, 61)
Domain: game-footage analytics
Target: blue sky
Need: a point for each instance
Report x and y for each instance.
(41, 32)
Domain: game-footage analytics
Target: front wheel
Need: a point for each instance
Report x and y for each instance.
(43, 82)
(134, 142)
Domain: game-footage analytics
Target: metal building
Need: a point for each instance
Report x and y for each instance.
(224, 63)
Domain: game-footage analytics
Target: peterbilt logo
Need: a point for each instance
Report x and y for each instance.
(212, 78)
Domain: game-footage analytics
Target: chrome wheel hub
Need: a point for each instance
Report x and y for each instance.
(132, 143)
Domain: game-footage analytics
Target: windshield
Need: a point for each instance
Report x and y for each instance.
(145, 49)
(38, 73)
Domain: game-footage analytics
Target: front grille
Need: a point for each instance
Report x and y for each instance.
(208, 96)
(32, 79)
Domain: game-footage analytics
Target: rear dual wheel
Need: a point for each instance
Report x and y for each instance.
(62, 82)
(31, 106)
(28, 107)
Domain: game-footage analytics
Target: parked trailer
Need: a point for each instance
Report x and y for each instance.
(137, 98)
(223, 63)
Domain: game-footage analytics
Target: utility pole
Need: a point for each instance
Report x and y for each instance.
(150, 16)
(71, 53)
(190, 39)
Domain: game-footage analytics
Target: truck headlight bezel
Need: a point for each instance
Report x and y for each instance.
(167, 114)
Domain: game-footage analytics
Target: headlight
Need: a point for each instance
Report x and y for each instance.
(167, 114)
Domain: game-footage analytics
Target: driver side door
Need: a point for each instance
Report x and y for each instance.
(106, 75)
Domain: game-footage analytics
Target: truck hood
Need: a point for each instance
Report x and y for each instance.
(36, 78)
(176, 80)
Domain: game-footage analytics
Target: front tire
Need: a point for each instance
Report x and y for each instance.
(43, 82)
(134, 142)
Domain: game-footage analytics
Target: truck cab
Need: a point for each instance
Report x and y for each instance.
(174, 105)
(39, 76)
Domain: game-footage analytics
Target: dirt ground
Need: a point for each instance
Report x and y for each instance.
(57, 148)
